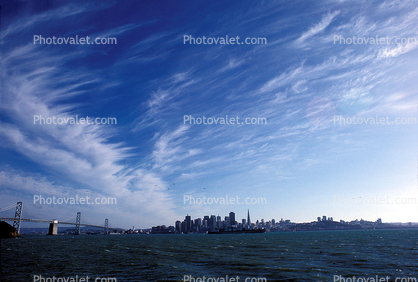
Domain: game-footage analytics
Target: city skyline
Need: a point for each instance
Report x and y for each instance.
(244, 223)
(212, 222)
(215, 223)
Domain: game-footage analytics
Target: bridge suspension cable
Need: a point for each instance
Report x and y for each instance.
(87, 220)
(70, 219)
(8, 208)
(31, 212)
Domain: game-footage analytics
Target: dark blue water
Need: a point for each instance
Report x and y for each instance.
(294, 256)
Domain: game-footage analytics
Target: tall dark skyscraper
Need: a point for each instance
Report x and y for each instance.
(232, 218)
(198, 224)
(248, 219)
(212, 222)
(188, 224)
(178, 226)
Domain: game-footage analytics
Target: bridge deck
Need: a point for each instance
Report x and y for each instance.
(51, 221)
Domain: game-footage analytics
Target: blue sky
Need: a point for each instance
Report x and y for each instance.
(302, 161)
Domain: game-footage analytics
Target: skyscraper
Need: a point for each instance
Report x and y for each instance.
(206, 217)
(232, 218)
(188, 224)
(178, 226)
(248, 219)
(198, 223)
(212, 222)
(227, 222)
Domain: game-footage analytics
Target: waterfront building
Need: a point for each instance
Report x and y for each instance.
(232, 218)
(188, 221)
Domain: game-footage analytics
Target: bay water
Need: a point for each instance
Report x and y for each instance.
(279, 256)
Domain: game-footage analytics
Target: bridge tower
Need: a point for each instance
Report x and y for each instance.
(107, 226)
(77, 223)
(53, 228)
(18, 216)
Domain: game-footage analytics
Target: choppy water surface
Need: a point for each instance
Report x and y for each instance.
(295, 256)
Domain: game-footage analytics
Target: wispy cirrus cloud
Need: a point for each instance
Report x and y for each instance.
(33, 20)
(170, 149)
(82, 155)
(319, 27)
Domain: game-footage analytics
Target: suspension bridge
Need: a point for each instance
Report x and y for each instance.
(53, 223)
